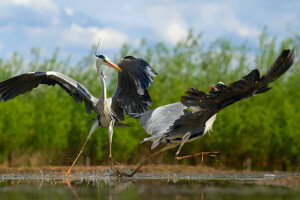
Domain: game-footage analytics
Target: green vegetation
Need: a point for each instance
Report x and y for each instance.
(47, 127)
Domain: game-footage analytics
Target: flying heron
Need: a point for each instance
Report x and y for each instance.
(131, 96)
(192, 117)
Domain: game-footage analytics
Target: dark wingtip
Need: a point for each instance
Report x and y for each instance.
(281, 65)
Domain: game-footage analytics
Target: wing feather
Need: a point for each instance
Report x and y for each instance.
(23, 83)
(247, 87)
(131, 95)
(157, 122)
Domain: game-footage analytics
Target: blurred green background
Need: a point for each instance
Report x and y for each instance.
(47, 127)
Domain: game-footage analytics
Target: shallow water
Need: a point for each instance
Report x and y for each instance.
(145, 186)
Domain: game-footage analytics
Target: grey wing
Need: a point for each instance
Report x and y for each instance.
(26, 82)
(157, 122)
(131, 95)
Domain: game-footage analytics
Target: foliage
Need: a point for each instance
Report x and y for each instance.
(264, 129)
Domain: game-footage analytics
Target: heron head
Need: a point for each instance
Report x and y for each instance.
(217, 87)
(104, 60)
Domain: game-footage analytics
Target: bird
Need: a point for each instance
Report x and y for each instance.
(192, 117)
(135, 75)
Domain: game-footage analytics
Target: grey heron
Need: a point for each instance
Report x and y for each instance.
(192, 117)
(131, 96)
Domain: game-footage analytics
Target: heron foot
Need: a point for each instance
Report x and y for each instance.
(118, 173)
(211, 154)
(68, 173)
(111, 161)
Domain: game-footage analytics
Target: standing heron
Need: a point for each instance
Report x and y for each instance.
(131, 96)
(192, 117)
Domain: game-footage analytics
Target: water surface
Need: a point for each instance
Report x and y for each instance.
(146, 186)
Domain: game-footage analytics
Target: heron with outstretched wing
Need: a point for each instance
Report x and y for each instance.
(131, 96)
(192, 117)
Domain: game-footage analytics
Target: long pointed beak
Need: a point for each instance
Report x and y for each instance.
(111, 64)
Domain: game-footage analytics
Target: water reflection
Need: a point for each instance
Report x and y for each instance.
(173, 187)
(68, 182)
(111, 185)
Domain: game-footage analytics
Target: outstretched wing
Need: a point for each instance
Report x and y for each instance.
(206, 105)
(131, 95)
(26, 82)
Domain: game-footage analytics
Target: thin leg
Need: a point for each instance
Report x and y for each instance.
(110, 149)
(145, 161)
(184, 139)
(81, 150)
(111, 161)
(110, 135)
(211, 154)
(95, 125)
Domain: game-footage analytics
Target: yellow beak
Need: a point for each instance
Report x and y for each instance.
(111, 64)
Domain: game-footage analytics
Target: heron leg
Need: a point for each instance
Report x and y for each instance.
(110, 134)
(211, 154)
(184, 139)
(94, 127)
(120, 174)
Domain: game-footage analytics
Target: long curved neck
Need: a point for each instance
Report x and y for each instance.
(102, 79)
